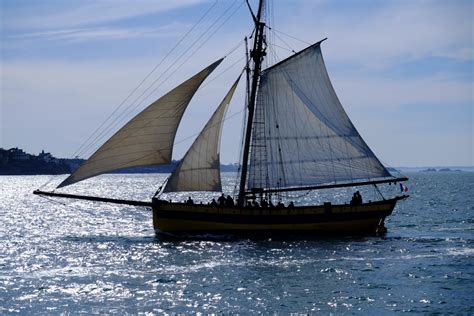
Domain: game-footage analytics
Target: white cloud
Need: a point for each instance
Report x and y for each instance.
(103, 33)
(397, 31)
(57, 15)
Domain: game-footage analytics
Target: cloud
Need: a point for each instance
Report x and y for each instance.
(397, 30)
(102, 33)
(69, 14)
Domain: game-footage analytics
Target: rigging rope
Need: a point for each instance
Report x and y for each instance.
(134, 105)
(186, 138)
(288, 35)
(243, 124)
(284, 42)
(210, 36)
(221, 73)
(275, 45)
(85, 146)
(146, 77)
(51, 178)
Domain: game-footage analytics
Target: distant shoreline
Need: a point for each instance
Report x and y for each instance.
(15, 161)
(438, 169)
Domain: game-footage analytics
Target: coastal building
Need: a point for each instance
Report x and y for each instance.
(15, 161)
(18, 154)
(47, 157)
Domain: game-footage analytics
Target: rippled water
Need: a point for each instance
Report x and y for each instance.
(78, 256)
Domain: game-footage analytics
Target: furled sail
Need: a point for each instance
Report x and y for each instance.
(199, 170)
(301, 134)
(148, 138)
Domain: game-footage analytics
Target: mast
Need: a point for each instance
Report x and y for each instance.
(247, 71)
(257, 54)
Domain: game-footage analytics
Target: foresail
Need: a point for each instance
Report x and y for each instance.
(199, 170)
(148, 138)
(301, 134)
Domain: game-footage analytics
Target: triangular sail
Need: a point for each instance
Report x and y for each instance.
(199, 170)
(148, 138)
(301, 134)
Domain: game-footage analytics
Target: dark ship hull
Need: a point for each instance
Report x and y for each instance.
(180, 218)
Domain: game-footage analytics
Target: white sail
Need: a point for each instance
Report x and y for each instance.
(148, 138)
(199, 170)
(301, 134)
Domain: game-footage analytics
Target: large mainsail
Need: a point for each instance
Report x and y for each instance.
(199, 170)
(301, 134)
(148, 138)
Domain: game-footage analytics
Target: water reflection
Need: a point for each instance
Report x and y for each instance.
(94, 258)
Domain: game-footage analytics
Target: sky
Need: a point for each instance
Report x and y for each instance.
(403, 70)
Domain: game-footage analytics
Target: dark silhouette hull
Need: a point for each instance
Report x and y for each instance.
(179, 218)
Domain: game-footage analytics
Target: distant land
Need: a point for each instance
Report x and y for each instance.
(15, 161)
(437, 169)
(440, 170)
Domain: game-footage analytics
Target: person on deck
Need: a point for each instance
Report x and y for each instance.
(291, 205)
(264, 203)
(229, 201)
(356, 198)
(214, 203)
(221, 200)
(189, 201)
(359, 198)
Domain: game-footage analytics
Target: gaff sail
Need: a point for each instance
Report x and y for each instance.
(199, 170)
(148, 138)
(301, 134)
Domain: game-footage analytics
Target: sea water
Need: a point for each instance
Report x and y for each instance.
(66, 256)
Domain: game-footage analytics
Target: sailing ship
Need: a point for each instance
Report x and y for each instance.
(297, 137)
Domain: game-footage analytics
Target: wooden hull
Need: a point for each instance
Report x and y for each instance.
(178, 218)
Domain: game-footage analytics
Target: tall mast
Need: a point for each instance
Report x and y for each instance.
(247, 72)
(257, 54)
